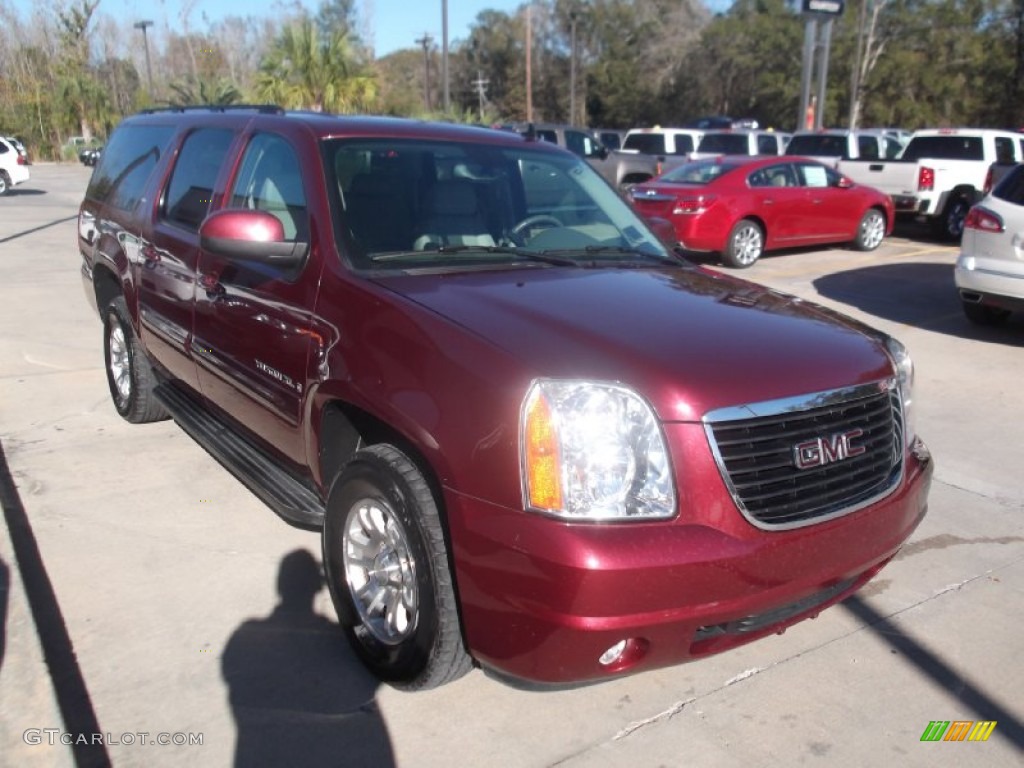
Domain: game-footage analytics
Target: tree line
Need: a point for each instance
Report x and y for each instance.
(71, 70)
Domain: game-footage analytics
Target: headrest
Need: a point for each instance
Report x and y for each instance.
(453, 198)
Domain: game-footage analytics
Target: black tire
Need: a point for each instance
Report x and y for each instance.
(387, 567)
(129, 373)
(5, 183)
(745, 244)
(870, 231)
(950, 225)
(982, 314)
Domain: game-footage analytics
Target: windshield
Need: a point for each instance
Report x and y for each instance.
(443, 205)
(726, 143)
(698, 172)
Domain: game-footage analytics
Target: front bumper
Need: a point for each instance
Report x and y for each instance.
(542, 600)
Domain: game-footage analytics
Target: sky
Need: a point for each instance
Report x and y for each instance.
(394, 24)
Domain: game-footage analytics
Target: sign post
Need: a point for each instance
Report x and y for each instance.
(812, 109)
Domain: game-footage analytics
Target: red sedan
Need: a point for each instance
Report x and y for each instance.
(741, 207)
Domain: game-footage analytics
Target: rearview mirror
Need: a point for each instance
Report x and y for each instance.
(256, 236)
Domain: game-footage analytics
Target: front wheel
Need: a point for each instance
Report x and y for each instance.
(870, 231)
(129, 373)
(387, 567)
(5, 183)
(745, 244)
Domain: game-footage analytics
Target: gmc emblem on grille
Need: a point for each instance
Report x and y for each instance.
(827, 450)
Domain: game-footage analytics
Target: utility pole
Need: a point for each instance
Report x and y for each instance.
(572, 68)
(444, 53)
(529, 57)
(425, 41)
(481, 89)
(145, 42)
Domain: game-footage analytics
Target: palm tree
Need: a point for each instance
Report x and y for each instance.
(304, 70)
(203, 91)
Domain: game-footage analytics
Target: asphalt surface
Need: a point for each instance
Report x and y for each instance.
(146, 596)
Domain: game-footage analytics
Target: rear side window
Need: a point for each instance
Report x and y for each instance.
(1004, 149)
(867, 146)
(646, 143)
(944, 148)
(684, 144)
(190, 190)
(767, 145)
(726, 143)
(126, 164)
(1011, 188)
(818, 145)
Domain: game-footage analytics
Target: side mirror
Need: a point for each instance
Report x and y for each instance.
(256, 236)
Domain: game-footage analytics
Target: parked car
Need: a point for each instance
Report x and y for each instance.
(90, 155)
(533, 438)
(990, 269)
(19, 145)
(748, 143)
(741, 207)
(13, 167)
(610, 137)
(664, 142)
(939, 174)
(830, 146)
(620, 169)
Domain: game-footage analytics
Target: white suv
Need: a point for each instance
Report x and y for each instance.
(662, 141)
(990, 269)
(13, 168)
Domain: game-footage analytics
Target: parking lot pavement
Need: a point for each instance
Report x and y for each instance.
(148, 593)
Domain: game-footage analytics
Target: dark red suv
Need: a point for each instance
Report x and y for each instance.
(534, 438)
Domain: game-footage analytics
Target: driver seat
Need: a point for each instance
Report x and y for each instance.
(453, 217)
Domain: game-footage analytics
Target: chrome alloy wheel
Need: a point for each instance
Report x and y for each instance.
(872, 231)
(747, 244)
(380, 571)
(119, 362)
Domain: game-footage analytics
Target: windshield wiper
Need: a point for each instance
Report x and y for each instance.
(598, 250)
(519, 253)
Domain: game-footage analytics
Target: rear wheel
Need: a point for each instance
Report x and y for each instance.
(745, 244)
(870, 231)
(950, 225)
(387, 568)
(982, 314)
(5, 183)
(129, 372)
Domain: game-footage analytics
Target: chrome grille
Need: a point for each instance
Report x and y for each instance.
(755, 447)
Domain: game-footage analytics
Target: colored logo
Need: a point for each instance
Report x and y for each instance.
(958, 730)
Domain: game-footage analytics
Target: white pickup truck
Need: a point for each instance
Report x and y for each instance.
(940, 174)
(828, 146)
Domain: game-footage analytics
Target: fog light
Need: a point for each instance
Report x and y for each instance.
(614, 653)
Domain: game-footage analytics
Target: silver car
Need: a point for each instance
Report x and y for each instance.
(990, 269)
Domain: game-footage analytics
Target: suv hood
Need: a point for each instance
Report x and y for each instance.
(689, 340)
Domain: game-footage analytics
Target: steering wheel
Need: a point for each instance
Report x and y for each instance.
(532, 222)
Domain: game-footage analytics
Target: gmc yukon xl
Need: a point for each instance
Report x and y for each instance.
(532, 438)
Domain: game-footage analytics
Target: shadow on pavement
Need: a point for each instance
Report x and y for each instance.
(5, 588)
(16, 235)
(932, 666)
(918, 293)
(69, 687)
(299, 696)
(25, 191)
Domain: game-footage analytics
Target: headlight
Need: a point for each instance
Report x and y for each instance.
(905, 378)
(592, 451)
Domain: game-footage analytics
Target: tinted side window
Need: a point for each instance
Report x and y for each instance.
(646, 143)
(127, 162)
(579, 143)
(546, 135)
(684, 144)
(269, 180)
(767, 145)
(867, 146)
(3, 147)
(190, 190)
(1004, 149)
(944, 148)
(1011, 188)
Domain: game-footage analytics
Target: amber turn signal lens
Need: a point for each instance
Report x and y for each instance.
(543, 478)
